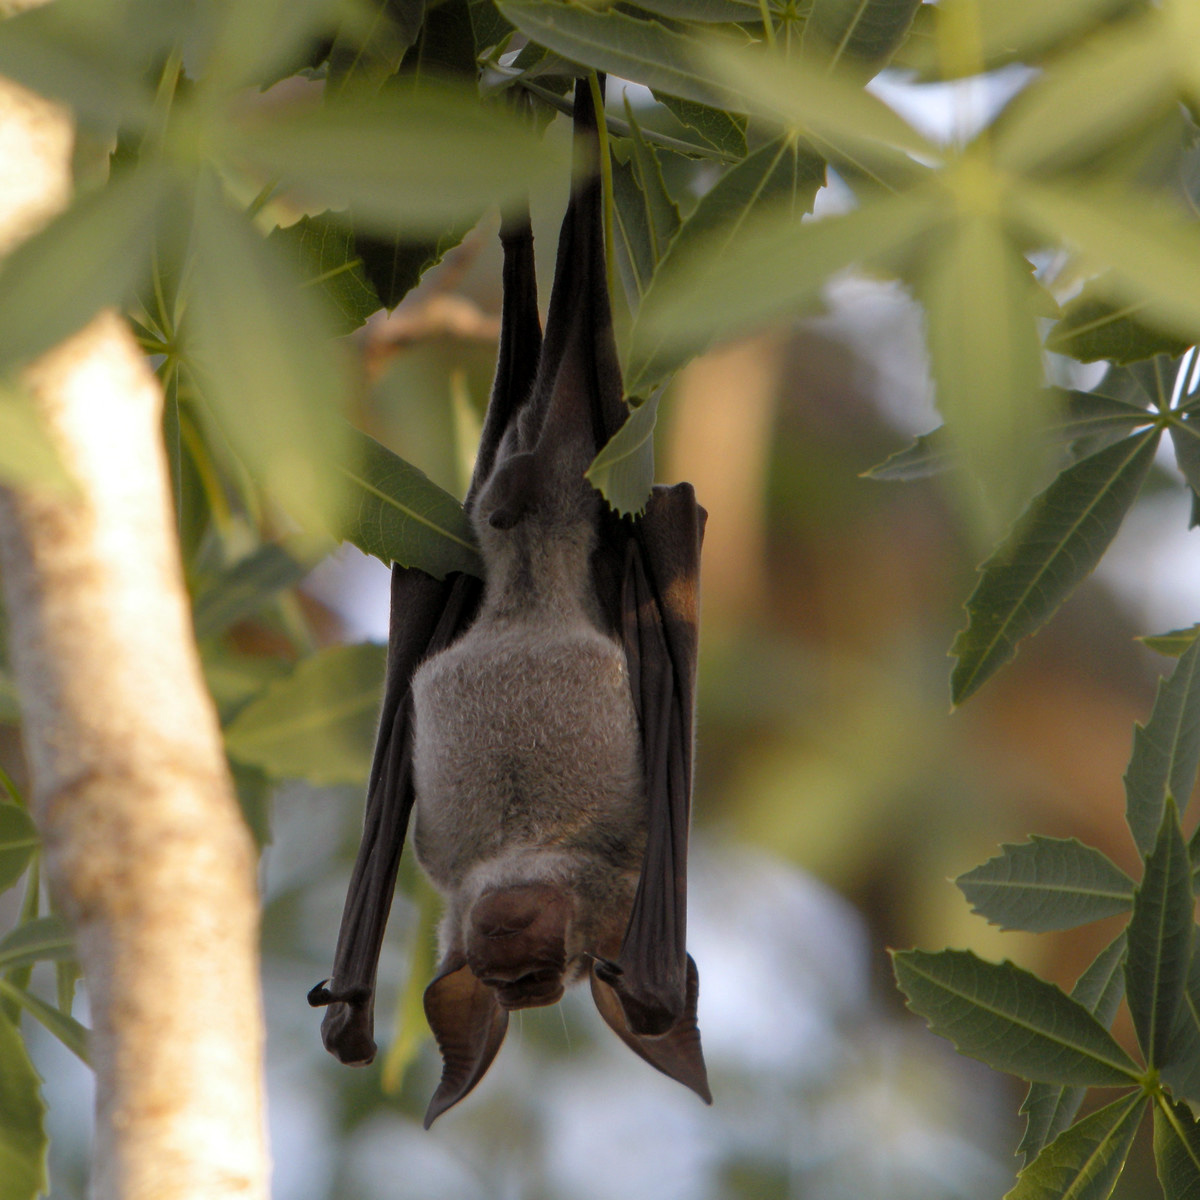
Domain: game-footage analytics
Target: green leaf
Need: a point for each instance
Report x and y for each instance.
(412, 161)
(1085, 1161)
(1160, 939)
(89, 258)
(23, 1140)
(317, 724)
(76, 51)
(399, 515)
(1046, 884)
(1010, 1019)
(62, 1025)
(367, 56)
(27, 455)
(1166, 751)
(1180, 1069)
(623, 471)
(1051, 550)
(1091, 328)
(19, 842)
(242, 589)
(1152, 253)
(987, 364)
(763, 264)
(1185, 439)
(1177, 1151)
(929, 454)
(1050, 1108)
(1087, 98)
(323, 252)
(716, 128)
(1172, 644)
(40, 940)
(866, 30)
(265, 364)
(717, 12)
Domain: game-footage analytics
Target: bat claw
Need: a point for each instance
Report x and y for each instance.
(606, 969)
(321, 995)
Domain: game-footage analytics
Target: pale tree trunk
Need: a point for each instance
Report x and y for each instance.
(145, 849)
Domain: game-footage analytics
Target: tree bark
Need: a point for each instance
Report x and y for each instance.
(145, 849)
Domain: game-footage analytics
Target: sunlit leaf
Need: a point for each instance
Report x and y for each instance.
(1173, 643)
(62, 1025)
(19, 842)
(23, 1140)
(987, 364)
(1049, 1108)
(1152, 253)
(1166, 751)
(624, 468)
(27, 455)
(45, 939)
(323, 252)
(1010, 1019)
(1085, 1161)
(1180, 1068)
(89, 258)
(764, 267)
(415, 161)
(1160, 939)
(265, 364)
(1045, 884)
(317, 724)
(1177, 1151)
(1051, 550)
(1088, 96)
(867, 30)
(399, 515)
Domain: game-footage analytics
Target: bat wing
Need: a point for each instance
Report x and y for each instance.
(648, 995)
(427, 614)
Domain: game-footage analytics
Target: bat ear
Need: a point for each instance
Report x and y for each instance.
(676, 1052)
(469, 1025)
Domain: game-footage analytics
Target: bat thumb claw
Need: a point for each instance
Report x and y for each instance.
(320, 995)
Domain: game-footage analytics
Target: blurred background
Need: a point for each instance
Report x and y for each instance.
(837, 796)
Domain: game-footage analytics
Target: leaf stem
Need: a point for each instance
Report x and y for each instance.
(606, 177)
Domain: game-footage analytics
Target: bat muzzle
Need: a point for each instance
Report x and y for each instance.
(516, 943)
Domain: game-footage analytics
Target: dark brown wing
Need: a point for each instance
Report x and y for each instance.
(427, 614)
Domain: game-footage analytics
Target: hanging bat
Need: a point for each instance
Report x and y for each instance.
(542, 720)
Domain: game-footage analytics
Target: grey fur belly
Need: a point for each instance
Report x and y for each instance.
(525, 740)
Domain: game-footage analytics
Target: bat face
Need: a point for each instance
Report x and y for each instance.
(542, 731)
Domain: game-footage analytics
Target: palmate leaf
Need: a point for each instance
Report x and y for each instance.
(46, 939)
(1085, 1161)
(1180, 1069)
(782, 177)
(1173, 643)
(624, 469)
(1166, 751)
(1046, 884)
(720, 130)
(762, 267)
(27, 455)
(1091, 328)
(866, 30)
(1185, 439)
(1011, 1020)
(1088, 97)
(987, 363)
(19, 842)
(318, 723)
(323, 252)
(718, 12)
(1160, 939)
(260, 351)
(1053, 548)
(411, 161)
(23, 1140)
(62, 1025)
(1177, 1151)
(1049, 1108)
(398, 514)
(89, 258)
(929, 454)
(243, 588)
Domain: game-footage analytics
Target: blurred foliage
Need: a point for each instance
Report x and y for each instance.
(280, 171)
